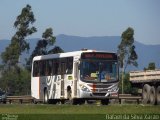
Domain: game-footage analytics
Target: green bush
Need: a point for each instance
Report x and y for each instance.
(128, 89)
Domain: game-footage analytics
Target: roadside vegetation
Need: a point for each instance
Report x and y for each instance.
(79, 109)
(15, 76)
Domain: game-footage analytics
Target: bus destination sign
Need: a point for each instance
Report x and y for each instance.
(110, 56)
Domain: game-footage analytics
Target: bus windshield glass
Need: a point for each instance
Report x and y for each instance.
(98, 69)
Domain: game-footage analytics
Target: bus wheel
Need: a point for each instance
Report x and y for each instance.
(62, 101)
(105, 102)
(34, 101)
(152, 96)
(45, 100)
(158, 95)
(146, 93)
(52, 101)
(79, 101)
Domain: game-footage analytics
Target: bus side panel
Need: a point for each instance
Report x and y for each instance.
(35, 87)
(52, 84)
(68, 83)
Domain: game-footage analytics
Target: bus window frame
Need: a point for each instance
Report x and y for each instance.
(87, 81)
(41, 69)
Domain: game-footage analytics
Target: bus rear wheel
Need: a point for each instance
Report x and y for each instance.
(52, 101)
(81, 101)
(158, 95)
(152, 97)
(62, 101)
(146, 93)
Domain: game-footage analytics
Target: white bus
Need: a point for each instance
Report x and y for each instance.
(75, 76)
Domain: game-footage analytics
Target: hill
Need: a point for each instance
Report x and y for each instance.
(146, 53)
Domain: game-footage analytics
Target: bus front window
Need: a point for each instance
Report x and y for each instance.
(98, 71)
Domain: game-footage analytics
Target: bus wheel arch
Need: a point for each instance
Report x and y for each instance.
(72, 101)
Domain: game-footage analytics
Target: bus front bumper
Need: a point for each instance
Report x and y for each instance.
(96, 95)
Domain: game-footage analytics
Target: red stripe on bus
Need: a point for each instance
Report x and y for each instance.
(94, 87)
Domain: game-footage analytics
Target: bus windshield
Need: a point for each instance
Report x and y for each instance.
(98, 71)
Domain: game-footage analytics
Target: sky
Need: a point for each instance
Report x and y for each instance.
(87, 17)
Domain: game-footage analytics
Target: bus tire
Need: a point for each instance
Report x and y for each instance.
(105, 101)
(52, 101)
(62, 101)
(152, 97)
(81, 101)
(158, 95)
(146, 93)
(73, 101)
(34, 101)
(45, 100)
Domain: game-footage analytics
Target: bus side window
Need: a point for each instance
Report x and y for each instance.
(55, 67)
(69, 68)
(35, 69)
(46, 68)
(49, 66)
(62, 69)
(42, 67)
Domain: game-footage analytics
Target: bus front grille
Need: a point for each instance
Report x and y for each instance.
(99, 94)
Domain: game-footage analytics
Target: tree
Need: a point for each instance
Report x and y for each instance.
(18, 44)
(15, 84)
(126, 51)
(43, 45)
(151, 66)
(12, 74)
(55, 50)
(128, 89)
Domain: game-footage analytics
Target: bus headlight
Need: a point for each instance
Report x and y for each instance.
(84, 88)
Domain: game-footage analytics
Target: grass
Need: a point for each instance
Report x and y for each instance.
(77, 112)
(78, 109)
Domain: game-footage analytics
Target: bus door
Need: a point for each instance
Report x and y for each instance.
(76, 64)
(63, 75)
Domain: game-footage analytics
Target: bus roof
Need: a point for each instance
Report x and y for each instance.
(67, 54)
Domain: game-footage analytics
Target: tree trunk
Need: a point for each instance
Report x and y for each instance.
(123, 72)
(122, 81)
